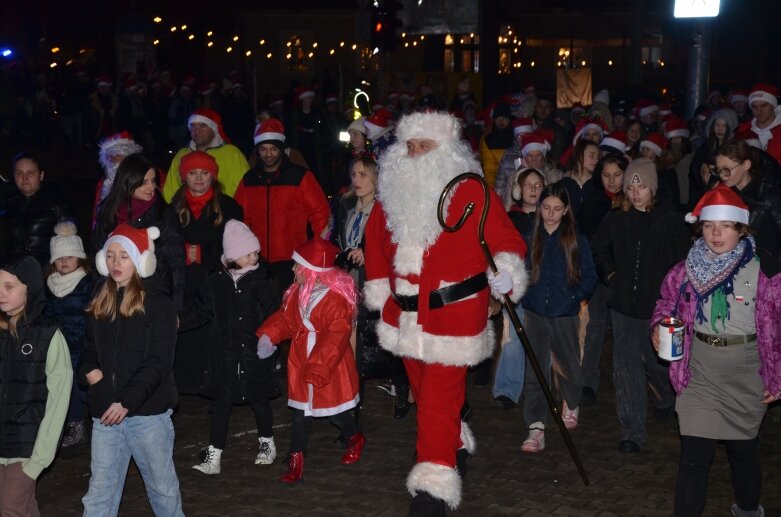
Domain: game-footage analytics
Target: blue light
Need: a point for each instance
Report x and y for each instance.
(7, 52)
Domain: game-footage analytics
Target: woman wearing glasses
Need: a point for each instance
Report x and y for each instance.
(756, 176)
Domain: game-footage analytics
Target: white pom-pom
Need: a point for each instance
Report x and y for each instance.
(65, 228)
(153, 231)
(690, 218)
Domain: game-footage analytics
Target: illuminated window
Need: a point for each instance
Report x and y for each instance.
(462, 53)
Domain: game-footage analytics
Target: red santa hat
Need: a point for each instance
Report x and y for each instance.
(646, 107)
(317, 254)
(119, 144)
(665, 108)
(538, 140)
(440, 127)
(721, 203)
(703, 115)
(271, 131)
(614, 142)
(763, 92)
(584, 125)
(738, 96)
(305, 93)
(198, 160)
(377, 123)
(104, 80)
(676, 128)
(522, 126)
(139, 245)
(331, 97)
(212, 119)
(654, 141)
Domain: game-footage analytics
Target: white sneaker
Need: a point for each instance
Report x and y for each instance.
(267, 451)
(535, 442)
(570, 416)
(211, 461)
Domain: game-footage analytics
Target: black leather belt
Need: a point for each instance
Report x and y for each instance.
(717, 341)
(444, 295)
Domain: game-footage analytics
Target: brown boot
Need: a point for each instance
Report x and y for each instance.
(295, 469)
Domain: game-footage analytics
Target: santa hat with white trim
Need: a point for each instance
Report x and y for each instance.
(119, 144)
(212, 119)
(763, 92)
(538, 140)
(614, 143)
(584, 125)
(721, 203)
(655, 141)
(522, 126)
(738, 96)
(646, 107)
(317, 254)
(139, 245)
(377, 123)
(271, 131)
(676, 127)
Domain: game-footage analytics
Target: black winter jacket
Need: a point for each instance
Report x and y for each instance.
(136, 356)
(633, 251)
(169, 247)
(68, 311)
(31, 220)
(234, 312)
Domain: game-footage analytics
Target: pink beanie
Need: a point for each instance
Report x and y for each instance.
(237, 241)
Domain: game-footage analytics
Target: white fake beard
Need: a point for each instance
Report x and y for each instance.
(410, 188)
(110, 169)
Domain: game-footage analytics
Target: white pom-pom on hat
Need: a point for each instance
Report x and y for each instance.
(65, 228)
(66, 242)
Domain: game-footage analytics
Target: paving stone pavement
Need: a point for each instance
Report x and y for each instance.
(501, 479)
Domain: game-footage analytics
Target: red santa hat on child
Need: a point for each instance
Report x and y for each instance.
(721, 203)
(522, 126)
(584, 125)
(305, 93)
(317, 254)
(538, 140)
(763, 92)
(614, 142)
(377, 123)
(646, 107)
(198, 160)
(104, 80)
(271, 131)
(139, 245)
(654, 141)
(212, 119)
(676, 128)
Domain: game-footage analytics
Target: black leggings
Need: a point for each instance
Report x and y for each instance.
(696, 458)
(345, 421)
(221, 412)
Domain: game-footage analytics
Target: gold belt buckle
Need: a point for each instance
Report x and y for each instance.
(716, 341)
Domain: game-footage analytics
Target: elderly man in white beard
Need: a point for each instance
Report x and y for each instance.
(433, 290)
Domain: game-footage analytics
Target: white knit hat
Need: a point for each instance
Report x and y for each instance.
(65, 242)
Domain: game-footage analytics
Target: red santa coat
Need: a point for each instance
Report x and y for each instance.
(321, 373)
(457, 334)
(773, 143)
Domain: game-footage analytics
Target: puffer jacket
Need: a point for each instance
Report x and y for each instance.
(68, 311)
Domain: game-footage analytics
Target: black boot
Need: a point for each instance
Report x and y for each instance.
(401, 404)
(426, 505)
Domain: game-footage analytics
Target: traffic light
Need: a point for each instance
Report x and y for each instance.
(385, 24)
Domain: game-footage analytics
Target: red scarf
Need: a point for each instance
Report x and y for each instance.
(197, 204)
(137, 207)
(611, 195)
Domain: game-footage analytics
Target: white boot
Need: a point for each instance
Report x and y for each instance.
(267, 451)
(211, 461)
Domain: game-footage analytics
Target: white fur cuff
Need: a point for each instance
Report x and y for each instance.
(513, 264)
(376, 293)
(438, 480)
(468, 438)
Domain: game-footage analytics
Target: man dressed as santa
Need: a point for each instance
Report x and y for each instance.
(433, 290)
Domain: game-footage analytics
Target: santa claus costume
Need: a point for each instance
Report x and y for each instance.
(316, 315)
(432, 289)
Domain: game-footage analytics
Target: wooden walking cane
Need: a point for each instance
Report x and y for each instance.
(468, 209)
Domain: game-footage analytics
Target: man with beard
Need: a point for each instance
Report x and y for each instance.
(432, 289)
(281, 203)
(113, 150)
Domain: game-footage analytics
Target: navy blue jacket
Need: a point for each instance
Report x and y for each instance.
(551, 296)
(69, 314)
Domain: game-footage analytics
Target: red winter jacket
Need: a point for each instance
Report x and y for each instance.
(278, 205)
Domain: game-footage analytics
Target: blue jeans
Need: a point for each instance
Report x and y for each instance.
(509, 375)
(150, 442)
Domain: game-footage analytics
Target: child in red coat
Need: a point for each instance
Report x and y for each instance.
(316, 315)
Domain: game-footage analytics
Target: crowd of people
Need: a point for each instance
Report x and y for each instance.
(193, 277)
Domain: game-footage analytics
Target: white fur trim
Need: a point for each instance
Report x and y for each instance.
(308, 410)
(535, 146)
(683, 133)
(737, 98)
(690, 218)
(724, 213)
(204, 120)
(304, 262)
(409, 340)
(405, 288)
(613, 143)
(438, 480)
(468, 438)
(762, 96)
(436, 126)
(648, 110)
(376, 293)
(513, 264)
(153, 232)
(268, 135)
(408, 260)
(655, 148)
(518, 130)
(147, 263)
(590, 125)
(100, 263)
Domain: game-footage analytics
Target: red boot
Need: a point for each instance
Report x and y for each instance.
(355, 445)
(295, 469)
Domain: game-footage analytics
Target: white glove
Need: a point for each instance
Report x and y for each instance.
(265, 347)
(502, 282)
